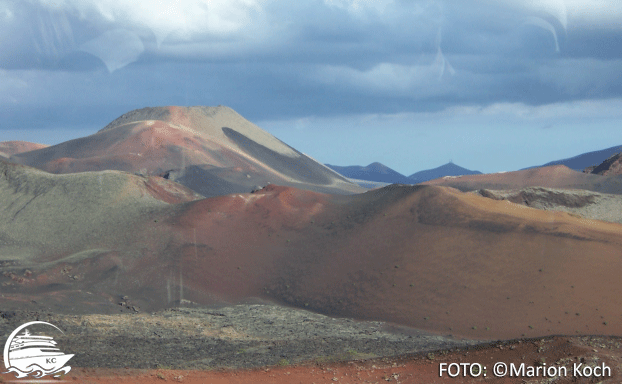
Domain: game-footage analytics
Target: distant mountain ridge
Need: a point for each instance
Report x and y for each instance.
(449, 169)
(584, 160)
(379, 172)
(373, 172)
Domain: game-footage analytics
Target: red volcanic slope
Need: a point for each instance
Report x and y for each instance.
(168, 191)
(150, 146)
(10, 148)
(556, 176)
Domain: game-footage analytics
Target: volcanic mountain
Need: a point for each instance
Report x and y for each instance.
(372, 172)
(212, 150)
(429, 257)
(449, 169)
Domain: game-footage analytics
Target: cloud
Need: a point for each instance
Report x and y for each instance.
(572, 110)
(555, 8)
(41, 33)
(570, 13)
(116, 48)
(541, 23)
(188, 18)
(595, 12)
(360, 7)
(270, 58)
(583, 78)
(6, 14)
(375, 31)
(384, 77)
(519, 112)
(10, 87)
(28, 33)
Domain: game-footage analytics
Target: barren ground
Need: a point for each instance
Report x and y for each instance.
(260, 343)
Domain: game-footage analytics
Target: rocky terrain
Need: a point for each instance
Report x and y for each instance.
(241, 336)
(262, 343)
(585, 204)
(561, 353)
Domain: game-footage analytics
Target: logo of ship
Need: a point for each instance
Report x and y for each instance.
(27, 354)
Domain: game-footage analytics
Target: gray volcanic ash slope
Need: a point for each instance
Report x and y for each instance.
(49, 220)
(212, 150)
(587, 204)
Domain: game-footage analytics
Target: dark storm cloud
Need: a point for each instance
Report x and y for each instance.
(274, 59)
(604, 44)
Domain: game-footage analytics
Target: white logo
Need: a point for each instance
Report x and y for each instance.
(28, 354)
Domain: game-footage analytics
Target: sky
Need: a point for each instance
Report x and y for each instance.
(492, 85)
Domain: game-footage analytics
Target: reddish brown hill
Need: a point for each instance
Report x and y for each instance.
(10, 148)
(611, 166)
(439, 259)
(424, 256)
(556, 176)
(212, 150)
